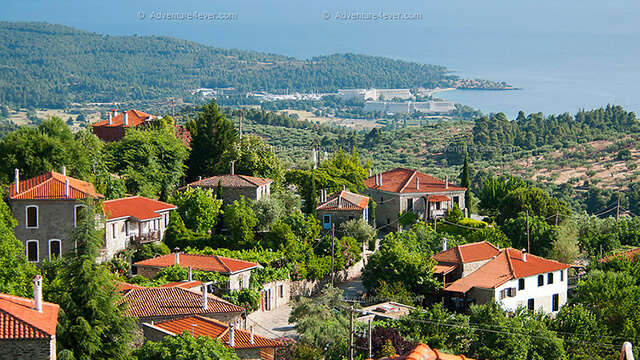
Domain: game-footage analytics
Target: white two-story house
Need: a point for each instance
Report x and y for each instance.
(514, 279)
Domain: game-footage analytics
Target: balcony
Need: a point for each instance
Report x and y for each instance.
(150, 237)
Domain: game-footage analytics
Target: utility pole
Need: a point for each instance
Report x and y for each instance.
(240, 124)
(557, 215)
(618, 211)
(370, 346)
(333, 243)
(351, 333)
(435, 223)
(528, 239)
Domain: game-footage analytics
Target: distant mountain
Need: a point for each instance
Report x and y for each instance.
(48, 65)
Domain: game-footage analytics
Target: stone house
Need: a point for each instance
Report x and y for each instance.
(246, 344)
(340, 207)
(275, 294)
(116, 125)
(514, 279)
(28, 326)
(47, 208)
(234, 186)
(167, 303)
(405, 190)
(238, 271)
(133, 220)
(460, 261)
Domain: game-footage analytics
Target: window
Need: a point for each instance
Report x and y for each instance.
(381, 199)
(409, 204)
(55, 249)
(78, 213)
(456, 200)
(521, 284)
(550, 278)
(32, 216)
(32, 250)
(113, 231)
(555, 302)
(508, 292)
(561, 275)
(281, 291)
(126, 227)
(540, 280)
(327, 219)
(437, 206)
(531, 304)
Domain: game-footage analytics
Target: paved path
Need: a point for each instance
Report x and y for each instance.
(272, 324)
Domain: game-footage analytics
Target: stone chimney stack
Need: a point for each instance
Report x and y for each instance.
(444, 244)
(177, 257)
(110, 121)
(446, 182)
(232, 335)
(190, 274)
(370, 172)
(417, 183)
(66, 187)
(37, 293)
(17, 179)
(252, 341)
(233, 168)
(125, 118)
(64, 170)
(524, 255)
(380, 179)
(205, 298)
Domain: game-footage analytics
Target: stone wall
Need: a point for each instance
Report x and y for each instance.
(32, 349)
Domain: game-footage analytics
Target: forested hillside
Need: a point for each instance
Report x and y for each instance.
(46, 65)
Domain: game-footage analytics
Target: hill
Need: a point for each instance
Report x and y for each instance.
(46, 65)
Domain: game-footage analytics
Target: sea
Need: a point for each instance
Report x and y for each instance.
(562, 55)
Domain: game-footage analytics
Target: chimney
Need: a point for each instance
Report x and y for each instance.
(232, 335)
(125, 119)
(252, 341)
(380, 179)
(205, 299)
(114, 112)
(446, 182)
(376, 179)
(524, 255)
(110, 118)
(66, 187)
(190, 274)
(233, 167)
(177, 256)
(444, 244)
(17, 177)
(64, 170)
(370, 173)
(37, 293)
(344, 187)
(339, 202)
(417, 183)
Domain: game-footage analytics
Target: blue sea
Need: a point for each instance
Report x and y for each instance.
(563, 55)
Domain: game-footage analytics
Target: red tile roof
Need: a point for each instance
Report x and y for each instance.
(444, 269)
(52, 186)
(123, 286)
(508, 265)
(135, 118)
(173, 301)
(233, 181)
(630, 254)
(183, 284)
(18, 319)
(467, 253)
(345, 200)
(202, 326)
(402, 180)
(138, 207)
(424, 352)
(215, 263)
(438, 198)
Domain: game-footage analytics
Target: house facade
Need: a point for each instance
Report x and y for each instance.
(28, 326)
(238, 271)
(514, 279)
(133, 220)
(340, 207)
(47, 208)
(115, 126)
(404, 190)
(236, 186)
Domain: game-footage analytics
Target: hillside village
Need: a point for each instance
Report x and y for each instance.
(140, 237)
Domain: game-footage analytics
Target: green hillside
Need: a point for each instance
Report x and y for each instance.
(46, 65)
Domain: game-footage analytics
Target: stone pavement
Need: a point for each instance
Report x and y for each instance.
(272, 324)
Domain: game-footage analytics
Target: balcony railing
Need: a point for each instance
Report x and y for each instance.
(151, 236)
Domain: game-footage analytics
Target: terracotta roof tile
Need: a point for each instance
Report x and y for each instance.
(508, 265)
(135, 118)
(424, 352)
(233, 181)
(345, 200)
(468, 253)
(630, 254)
(183, 284)
(438, 198)
(216, 329)
(52, 186)
(138, 207)
(123, 286)
(173, 301)
(403, 180)
(18, 319)
(215, 263)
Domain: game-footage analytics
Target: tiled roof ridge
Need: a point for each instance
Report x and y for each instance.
(406, 183)
(512, 270)
(219, 259)
(460, 254)
(20, 301)
(538, 257)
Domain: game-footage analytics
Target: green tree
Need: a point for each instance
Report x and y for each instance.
(255, 158)
(15, 271)
(241, 220)
(465, 181)
(151, 160)
(185, 346)
(542, 236)
(535, 200)
(358, 229)
(212, 136)
(268, 210)
(91, 324)
(199, 208)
